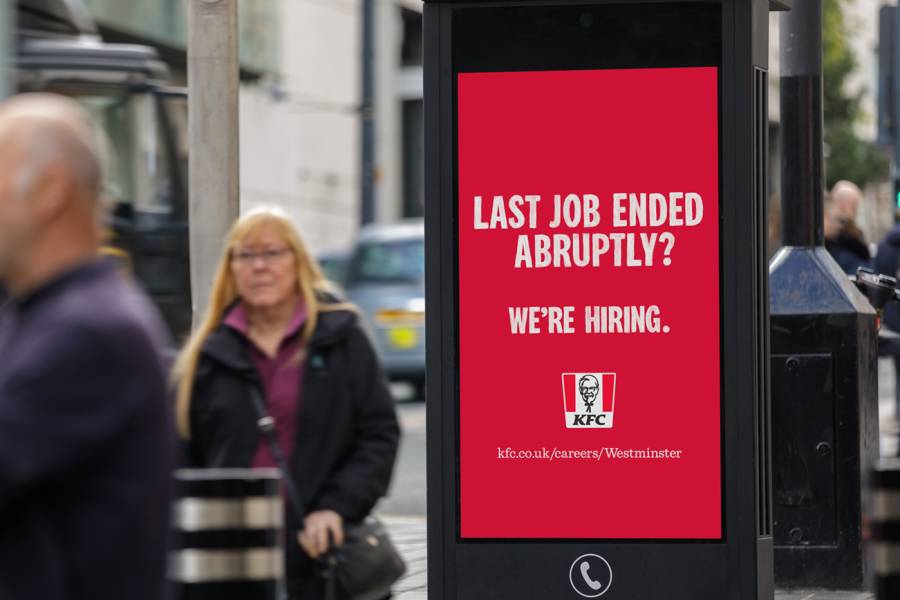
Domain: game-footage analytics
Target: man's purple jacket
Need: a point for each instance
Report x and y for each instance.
(86, 442)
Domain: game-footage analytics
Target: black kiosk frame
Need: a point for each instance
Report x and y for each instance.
(542, 35)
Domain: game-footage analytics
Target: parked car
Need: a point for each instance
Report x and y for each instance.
(386, 279)
(334, 266)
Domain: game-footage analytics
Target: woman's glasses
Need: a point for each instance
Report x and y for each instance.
(268, 256)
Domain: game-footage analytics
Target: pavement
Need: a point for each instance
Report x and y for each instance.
(404, 510)
(408, 534)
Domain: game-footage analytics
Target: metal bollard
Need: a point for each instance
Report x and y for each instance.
(884, 521)
(228, 535)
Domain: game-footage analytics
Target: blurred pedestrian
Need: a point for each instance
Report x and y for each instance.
(272, 326)
(86, 437)
(887, 261)
(843, 238)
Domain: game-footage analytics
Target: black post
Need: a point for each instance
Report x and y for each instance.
(893, 98)
(801, 123)
(824, 349)
(367, 110)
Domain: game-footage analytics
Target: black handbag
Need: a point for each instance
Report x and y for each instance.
(367, 564)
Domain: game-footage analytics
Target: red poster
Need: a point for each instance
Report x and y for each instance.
(589, 369)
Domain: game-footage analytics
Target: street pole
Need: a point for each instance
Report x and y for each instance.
(367, 106)
(7, 16)
(802, 185)
(894, 81)
(213, 130)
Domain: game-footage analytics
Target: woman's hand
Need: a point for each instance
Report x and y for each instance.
(314, 539)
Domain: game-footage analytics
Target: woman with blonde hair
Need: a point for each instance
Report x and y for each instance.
(274, 331)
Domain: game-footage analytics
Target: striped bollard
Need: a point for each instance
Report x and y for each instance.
(229, 532)
(884, 522)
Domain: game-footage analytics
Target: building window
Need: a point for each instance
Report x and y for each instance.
(411, 49)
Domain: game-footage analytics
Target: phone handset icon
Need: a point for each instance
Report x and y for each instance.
(590, 576)
(591, 583)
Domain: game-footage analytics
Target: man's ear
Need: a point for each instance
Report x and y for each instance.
(51, 192)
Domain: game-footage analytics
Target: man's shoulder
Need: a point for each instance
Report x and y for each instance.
(103, 313)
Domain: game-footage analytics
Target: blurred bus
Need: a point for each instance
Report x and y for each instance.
(126, 89)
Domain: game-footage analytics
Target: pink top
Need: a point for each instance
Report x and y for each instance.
(281, 377)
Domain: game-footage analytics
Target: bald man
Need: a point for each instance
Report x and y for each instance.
(86, 446)
(843, 238)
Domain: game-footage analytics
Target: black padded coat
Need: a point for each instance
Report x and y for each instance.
(346, 435)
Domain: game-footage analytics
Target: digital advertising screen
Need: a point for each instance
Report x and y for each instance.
(589, 304)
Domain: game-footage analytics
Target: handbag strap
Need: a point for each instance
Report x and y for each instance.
(265, 424)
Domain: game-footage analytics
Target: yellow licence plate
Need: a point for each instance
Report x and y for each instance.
(403, 338)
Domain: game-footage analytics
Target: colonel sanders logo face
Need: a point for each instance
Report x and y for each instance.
(588, 386)
(580, 393)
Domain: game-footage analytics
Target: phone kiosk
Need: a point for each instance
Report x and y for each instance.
(598, 417)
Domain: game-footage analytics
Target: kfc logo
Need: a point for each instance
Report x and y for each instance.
(589, 399)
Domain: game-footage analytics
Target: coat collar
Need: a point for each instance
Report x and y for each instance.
(226, 346)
